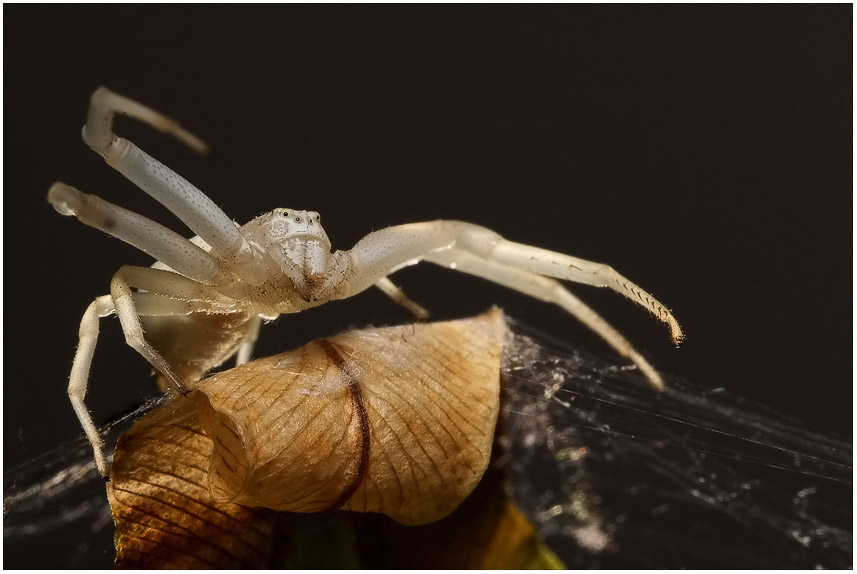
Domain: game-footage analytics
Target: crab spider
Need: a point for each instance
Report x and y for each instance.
(203, 300)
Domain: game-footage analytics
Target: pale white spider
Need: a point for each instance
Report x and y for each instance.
(203, 300)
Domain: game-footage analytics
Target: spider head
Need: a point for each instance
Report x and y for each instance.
(297, 244)
(283, 226)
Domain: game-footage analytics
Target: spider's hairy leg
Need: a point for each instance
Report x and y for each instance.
(77, 382)
(146, 304)
(560, 266)
(192, 206)
(103, 104)
(193, 295)
(392, 291)
(162, 293)
(547, 290)
(480, 251)
(120, 291)
(386, 251)
(153, 238)
(245, 351)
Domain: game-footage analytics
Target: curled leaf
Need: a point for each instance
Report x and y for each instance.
(164, 514)
(396, 420)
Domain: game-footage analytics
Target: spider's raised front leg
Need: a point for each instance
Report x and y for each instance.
(152, 238)
(194, 268)
(188, 203)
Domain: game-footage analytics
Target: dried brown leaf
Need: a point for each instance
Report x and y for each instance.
(165, 516)
(396, 420)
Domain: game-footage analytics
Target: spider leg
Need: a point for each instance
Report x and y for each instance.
(153, 238)
(245, 351)
(193, 295)
(396, 294)
(559, 266)
(103, 104)
(88, 335)
(163, 292)
(77, 382)
(480, 251)
(385, 251)
(188, 203)
(120, 291)
(547, 290)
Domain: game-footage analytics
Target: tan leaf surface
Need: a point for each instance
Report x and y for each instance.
(396, 420)
(164, 514)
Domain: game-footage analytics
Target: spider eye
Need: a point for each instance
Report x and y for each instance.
(297, 219)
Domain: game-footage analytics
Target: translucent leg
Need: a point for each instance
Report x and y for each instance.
(120, 290)
(98, 132)
(77, 382)
(188, 203)
(170, 284)
(551, 264)
(547, 290)
(88, 335)
(245, 351)
(396, 294)
(383, 252)
(153, 238)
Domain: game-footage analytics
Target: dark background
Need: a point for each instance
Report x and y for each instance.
(704, 152)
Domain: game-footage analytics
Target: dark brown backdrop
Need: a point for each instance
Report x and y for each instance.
(705, 152)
